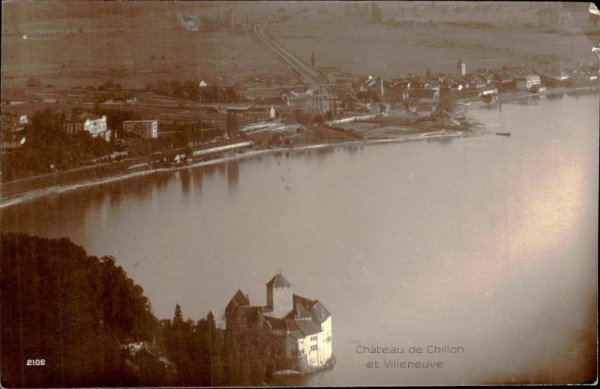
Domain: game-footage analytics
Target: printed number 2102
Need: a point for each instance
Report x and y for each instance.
(36, 362)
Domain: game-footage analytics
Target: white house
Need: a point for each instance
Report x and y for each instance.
(304, 325)
(95, 125)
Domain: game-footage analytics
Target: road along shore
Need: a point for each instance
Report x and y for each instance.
(57, 189)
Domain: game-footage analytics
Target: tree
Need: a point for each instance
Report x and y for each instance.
(178, 317)
(73, 310)
(312, 59)
(305, 117)
(428, 73)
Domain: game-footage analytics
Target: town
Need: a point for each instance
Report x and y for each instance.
(113, 131)
(60, 134)
(160, 159)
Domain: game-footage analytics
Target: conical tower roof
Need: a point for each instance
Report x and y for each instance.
(279, 282)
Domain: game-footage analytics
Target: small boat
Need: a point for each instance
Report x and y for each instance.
(503, 133)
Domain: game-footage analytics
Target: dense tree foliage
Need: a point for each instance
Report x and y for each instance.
(77, 312)
(207, 356)
(196, 348)
(251, 356)
(69, 309)
(49, 148)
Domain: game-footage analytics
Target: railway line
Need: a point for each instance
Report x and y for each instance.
(307, 74)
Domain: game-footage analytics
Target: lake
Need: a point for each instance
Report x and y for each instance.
(486, 244)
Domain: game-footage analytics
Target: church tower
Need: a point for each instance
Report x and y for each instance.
(461, 68)
(279, 296)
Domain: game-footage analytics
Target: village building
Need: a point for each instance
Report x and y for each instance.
(13, 130)
(488, 93)
(528, 82)
(250, 113)
(147, 129)
(424, 104)
(12, 138)
(556, 78)
(299, 99)
(461, 67)
(93, 124)
(143, 359)
(303, 325)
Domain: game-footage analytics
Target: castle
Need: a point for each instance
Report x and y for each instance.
(304, 325)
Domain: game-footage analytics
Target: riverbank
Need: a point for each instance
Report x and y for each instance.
(114, 175)
(57, 189)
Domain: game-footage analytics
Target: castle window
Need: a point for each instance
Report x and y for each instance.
(313, 338)
(313, 347)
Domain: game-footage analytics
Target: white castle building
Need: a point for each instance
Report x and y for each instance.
(304, 325)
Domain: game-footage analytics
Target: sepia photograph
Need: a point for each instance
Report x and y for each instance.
(298, 193)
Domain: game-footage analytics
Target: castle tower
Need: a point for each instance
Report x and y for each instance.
(461, 68)
(279, 296)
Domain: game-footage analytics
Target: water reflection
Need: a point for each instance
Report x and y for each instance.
(352, 149)
(138, 188)
(529, 100)
(233, 171)
(197, 177)
(318, 380)
(556, 96)
(186, 182)
(162, 180)
(209, 170)
(442, 141)
(115, 193)
(324, 152)
(491, 106)
(221, 168)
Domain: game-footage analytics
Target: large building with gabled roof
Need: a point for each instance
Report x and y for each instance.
(304, 325)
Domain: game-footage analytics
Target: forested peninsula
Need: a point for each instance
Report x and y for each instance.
(73, 320)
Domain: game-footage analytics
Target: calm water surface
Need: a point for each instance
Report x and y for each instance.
(488, 243)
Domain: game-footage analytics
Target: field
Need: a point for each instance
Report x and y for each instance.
(414, 37)
(71, 44)
(129, 46)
